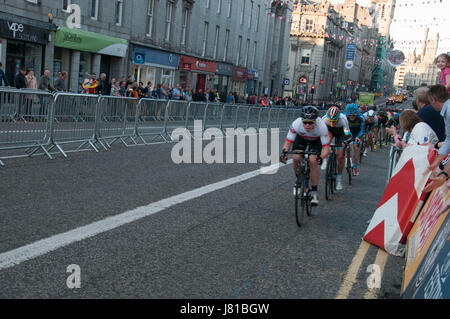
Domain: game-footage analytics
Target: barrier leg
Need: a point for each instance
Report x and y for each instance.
(2, 164)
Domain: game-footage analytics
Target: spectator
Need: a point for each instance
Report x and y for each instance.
(103, 86)
(60, 83)
(20, 82)
(416, 131)
(123, 88)
(44, 82)
(141, 90)
(199, 96)
(3, 78)
(115, 89)
(230, 98)
(147, 91)
(91, 86)
(176, 93)
(443, 64)
(439, 99)
(428, 114)
(31, 80)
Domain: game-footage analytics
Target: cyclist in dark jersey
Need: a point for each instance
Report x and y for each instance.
(356, 123)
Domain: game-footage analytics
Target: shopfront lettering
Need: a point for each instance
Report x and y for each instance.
(72, 38)
(15, 27)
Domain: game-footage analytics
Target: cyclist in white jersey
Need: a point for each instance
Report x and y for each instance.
(308, 130)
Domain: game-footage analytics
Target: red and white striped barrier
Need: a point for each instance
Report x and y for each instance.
(402, 199)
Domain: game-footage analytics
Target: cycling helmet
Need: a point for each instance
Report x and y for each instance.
(371, 114)
(352, 109)
(333, 114)
(309, 113)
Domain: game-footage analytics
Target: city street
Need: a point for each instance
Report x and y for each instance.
(234, 239)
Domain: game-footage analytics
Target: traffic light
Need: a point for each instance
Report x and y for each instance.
(313, 89)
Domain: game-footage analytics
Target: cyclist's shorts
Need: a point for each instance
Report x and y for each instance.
(369, 127)
(300, 144)
(339, 135)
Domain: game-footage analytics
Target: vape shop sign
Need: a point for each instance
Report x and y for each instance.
(16, 30)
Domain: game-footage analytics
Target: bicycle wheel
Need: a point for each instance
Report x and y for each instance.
(299, 201)
(308, 203)
(328, 180)
(333, 174)
(349, 171)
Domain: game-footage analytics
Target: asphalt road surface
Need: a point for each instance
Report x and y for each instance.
(133, 224)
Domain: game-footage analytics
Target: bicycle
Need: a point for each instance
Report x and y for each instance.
(362, 147)
(331, 173)
(348, 159)
(302, 191)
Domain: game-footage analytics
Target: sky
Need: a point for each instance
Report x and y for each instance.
(410, 19)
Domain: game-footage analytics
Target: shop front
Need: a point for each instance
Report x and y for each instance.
(239, 80)
(252, 82)
(82, 53)
(197, 73)
(154, 65)
(222, 81)
(23, 43)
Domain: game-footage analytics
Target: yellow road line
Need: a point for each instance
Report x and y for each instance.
(350, 277)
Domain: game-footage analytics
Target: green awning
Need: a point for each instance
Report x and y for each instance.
(80, 40)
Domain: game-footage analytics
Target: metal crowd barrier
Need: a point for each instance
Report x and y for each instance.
(38, 120)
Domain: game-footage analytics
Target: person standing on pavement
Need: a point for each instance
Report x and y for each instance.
(31, 80)
(20, 82)
(443, 64)
(60, 83)
(3, 78)
(103, 86)
(44, 84)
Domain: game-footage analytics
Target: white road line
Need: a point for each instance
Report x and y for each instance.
(44, 246)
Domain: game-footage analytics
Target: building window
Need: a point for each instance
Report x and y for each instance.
(251, 15)
(184, 26)
(242, 13)
(238, 53)
(205, 38)
(306, 56)
(94, 9)
(227, 41)
(150, 11)
(66, 4)
(254, 54)
(208, 4)
(229, 9)
(258, 17)
(119, 12)
(216, 42)
(219, 6)
(309, 25)
(247, 52)
(168, 20)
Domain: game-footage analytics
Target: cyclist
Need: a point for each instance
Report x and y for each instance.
(356, 122)
(310, 130)
(371, 129)
(382, 122)
(338, 128)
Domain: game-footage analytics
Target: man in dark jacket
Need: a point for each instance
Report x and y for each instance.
(428, 114)
(20, 82)
(103, 87)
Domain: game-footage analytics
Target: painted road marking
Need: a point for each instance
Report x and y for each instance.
(380, 261)
(44, 246)
(352, 272)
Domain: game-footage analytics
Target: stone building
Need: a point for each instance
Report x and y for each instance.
(221, 44)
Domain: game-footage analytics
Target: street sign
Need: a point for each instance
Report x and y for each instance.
(322, 82)
(351, 48)
(286, 81)
(349, 64)
(303, 80)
